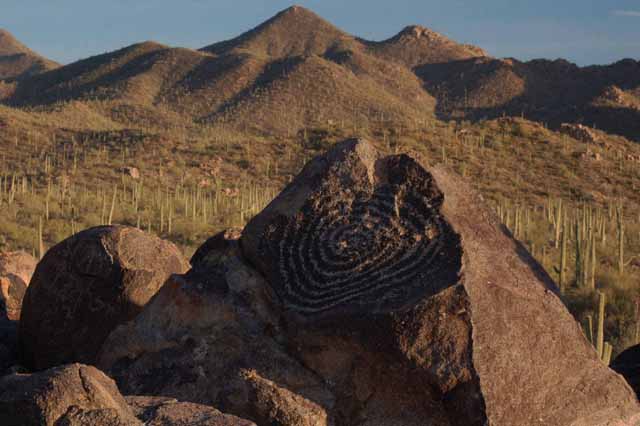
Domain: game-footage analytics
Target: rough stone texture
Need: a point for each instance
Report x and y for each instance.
(16, 269)
(69, 395)
(579, 132)
(158, 411)
(76, 416)
(400, 289)
(87, 285)
(210, 337)
(628, 364)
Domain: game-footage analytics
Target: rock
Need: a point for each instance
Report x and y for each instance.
(8, 345)
(210, 337)
(579, 132)
(588, 155)
(399, 288)
(68, 395)
(16, 269)
(132, 172)
(87, 285)
(104, 417)
(155, 411)
(628, 364)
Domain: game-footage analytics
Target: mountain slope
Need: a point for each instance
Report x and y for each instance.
(17, 60)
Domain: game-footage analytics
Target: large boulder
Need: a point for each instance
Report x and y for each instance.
(399, 288)
(75, 394)
(628, 364)
(210, 337)
(86, 286)
(16, 269)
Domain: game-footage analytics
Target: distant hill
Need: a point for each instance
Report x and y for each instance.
(17, 60)
(547, 91)
(299, 66)
(295, 64)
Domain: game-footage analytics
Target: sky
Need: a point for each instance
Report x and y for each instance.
(583, 31)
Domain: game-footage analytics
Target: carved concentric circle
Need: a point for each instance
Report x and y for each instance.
(364, 250)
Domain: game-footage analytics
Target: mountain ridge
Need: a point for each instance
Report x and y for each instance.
(417, 72)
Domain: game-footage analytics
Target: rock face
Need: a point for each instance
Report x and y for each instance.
(87, 285)
(396, 284)
(628, 364)
(16, 269)
(68, 395)
(385, 295)
(210, 337)
(169, 412)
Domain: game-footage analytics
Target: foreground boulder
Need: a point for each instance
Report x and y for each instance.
(399, 287)
(628, 364)
(211, 337)
(87, 285)
(75, 394)
(16, 269)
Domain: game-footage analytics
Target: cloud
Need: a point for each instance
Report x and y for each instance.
(632, 13)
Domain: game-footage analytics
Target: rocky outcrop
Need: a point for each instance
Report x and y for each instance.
(77, 395)
(86, 286)
(371, 292)
(628, 364)
(579, 132)
(399, 287)
(158, 411)
(16, 269)
(211, 337)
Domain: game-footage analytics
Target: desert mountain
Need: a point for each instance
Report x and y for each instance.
(295, 64)
(300, 66)
(17, 60)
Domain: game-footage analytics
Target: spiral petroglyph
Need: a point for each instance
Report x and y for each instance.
(374, 244)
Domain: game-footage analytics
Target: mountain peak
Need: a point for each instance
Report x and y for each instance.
(297, 9)
(9, 45)
(18, 59)
(416, 45)
(420, 34)
(292, 32)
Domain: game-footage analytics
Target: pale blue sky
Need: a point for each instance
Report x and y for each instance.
(583, 31)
